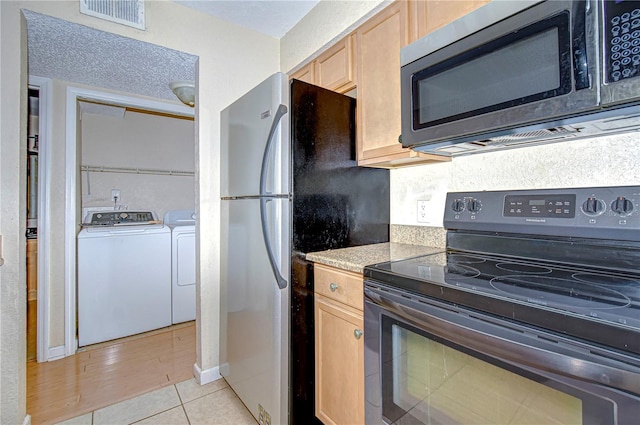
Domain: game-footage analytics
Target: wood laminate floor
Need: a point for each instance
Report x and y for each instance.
(108, 373)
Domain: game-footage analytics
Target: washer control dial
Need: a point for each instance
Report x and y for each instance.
(593, 206)
(622, 206)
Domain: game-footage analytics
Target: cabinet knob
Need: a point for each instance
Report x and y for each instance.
(333, 287)
(357, 333)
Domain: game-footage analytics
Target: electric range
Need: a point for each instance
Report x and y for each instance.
(562, 260)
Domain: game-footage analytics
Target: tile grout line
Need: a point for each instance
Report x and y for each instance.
(182, 404)
(164, 411)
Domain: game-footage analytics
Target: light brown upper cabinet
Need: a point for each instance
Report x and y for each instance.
(429, 15)
(334, 69)
(306, 74)
(379, 41)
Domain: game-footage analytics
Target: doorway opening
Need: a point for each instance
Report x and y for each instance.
(56, 328)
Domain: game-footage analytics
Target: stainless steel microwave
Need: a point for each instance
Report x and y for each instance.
(516, 73)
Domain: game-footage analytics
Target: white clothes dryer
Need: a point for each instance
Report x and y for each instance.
(124, 276)
(183, 264)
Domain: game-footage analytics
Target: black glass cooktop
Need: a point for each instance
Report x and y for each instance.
(572, 300)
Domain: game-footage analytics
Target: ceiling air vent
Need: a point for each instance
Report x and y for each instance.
(125, 12)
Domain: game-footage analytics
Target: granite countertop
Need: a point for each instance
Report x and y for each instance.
(354, 259)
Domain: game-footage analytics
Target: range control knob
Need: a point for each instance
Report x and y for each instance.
(622, 206)
(473, 205)
(593, 206)
(124, 215)
(457, 205)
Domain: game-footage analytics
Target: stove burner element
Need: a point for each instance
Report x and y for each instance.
(465, 259)
(523, 268)
(463, 266)
(462, 271)
(560, 293)
(605, 280)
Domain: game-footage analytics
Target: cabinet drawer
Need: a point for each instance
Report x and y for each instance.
(339, 285)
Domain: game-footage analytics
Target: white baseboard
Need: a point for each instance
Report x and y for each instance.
(27, 420)
(56, 353)
(205, 376)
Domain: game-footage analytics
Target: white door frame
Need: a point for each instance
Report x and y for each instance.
(74, 94)
(44, 226)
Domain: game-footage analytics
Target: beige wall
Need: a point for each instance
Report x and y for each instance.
(13, 112)
(231, 61)
(138, 141)
(325, 24)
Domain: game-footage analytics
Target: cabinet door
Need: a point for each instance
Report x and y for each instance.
(340, 285)
(379, 41)
(429, 15)
(339, 363)
(306, 74)
(335, 68)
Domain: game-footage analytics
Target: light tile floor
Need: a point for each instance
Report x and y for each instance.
(186, 403)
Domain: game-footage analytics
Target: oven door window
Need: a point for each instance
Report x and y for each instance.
(429, 381)
(524, 66)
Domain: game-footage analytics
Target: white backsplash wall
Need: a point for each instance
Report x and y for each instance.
(605, 161)
(138, 141)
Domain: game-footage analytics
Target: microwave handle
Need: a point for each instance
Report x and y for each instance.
(580, 34)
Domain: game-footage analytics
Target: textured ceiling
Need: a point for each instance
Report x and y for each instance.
(271, 17)
(66, 51)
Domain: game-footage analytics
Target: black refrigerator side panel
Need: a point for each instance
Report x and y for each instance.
(302, 350)
(336, 204)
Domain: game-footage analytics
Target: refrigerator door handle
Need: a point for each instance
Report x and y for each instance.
(265, 157)
(281, 281)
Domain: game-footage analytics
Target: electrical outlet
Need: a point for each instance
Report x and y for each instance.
(115, 195)
(422, 211)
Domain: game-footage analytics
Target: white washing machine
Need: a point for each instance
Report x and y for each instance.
(183, 264)
(124, 275)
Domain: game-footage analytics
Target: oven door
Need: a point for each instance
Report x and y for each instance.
(427, 362)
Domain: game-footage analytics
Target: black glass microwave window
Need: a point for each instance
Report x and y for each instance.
(427, 380)
(524, 66)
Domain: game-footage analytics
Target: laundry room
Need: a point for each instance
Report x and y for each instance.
(146, 158)
(136, 247)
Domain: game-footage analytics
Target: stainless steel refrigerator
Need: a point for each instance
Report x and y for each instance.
(289, 185)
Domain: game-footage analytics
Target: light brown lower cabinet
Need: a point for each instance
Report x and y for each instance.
(339, 338)
(339, 363)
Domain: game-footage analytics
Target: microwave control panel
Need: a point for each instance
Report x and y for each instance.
(621, 39)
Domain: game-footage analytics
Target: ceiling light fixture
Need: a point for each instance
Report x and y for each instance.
(185, 91)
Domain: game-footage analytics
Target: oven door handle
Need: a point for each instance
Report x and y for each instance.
(512, 352)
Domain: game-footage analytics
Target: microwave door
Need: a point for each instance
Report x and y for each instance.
(519, 71)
